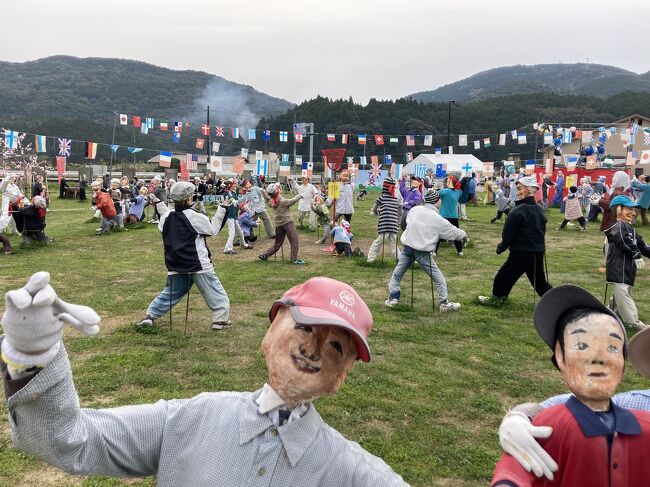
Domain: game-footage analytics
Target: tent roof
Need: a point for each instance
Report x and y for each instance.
(455, 162)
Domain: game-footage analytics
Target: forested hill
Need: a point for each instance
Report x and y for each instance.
(491, 116)
(91, 89)
(564, 79)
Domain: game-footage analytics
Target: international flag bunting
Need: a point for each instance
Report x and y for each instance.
(307, 168)
(428, 140)
(164, 127)
(133, 150)
(441, 170)
(486, 142)
(362, 139)
(409, 156)
(114, 148)
(284, 136)
(91, 150)
(462, 140)
(350, 159)
(535, 125)
(590, 163)
(60, 167)
(176, 137)
(502, 139)
(123, 119)
(571, 162)
(259, 155)
(244, 152)
(354, 169)
(234, 132)
(393, 140)
(218, 131)
(548, 138)
(193, 162)
(374, 160)
(420, 170)
(379, 140)
(362, 160)
(41, 143)
(566, 137)
(410, 140)
(149, 122)
(216, 146)
(587, 136)
(477, 144)
(285, 157)
(184, 172)
(216, 164)
(64, 147)
(645, 157)
(136, 121)
(266, 135)
(144, 128)
(188, 124)
(11, 139)
(635, 128)
(262, 167)
(200, 143)
(388, 159)
(252, 134)
(646, 138)
(331, 137)
(297, 160)
(521, 138)
(509, 167)
(530, 166)
(612, 130)
(165, 159)
(488, 168)
(438, 151)
(178, 127)
(298, 136)
(344, 138)
(514, 135)
(285, 169)
(396, 171)
(205, 129)
(375, 167)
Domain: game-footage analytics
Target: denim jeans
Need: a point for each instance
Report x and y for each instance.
(178, 285)
(406, 259)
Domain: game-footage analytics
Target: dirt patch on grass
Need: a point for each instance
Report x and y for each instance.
(47, 476)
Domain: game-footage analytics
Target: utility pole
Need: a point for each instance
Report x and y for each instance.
(451, 102)
(208, 150)
(110, 167)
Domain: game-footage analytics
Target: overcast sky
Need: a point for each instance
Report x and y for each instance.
(364, 48)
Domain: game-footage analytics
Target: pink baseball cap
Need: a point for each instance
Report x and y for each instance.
(322, 301)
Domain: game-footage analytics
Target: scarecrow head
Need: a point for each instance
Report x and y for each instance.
(623, 208)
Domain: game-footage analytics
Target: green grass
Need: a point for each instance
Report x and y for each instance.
(430, 401)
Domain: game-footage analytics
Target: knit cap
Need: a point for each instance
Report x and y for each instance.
(431, 197)
(388, 182)
(182, 190)
(573, 189)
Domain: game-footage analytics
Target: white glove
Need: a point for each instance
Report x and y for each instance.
(33, 323)
(517, 437)
(640, 264)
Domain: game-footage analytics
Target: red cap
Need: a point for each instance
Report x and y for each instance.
(328, 302)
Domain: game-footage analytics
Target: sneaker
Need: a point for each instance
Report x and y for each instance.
(449, 306)
(391, 302)
(299, 262)
(262, 257)
(460, 254)
(583, 230)
(318, 242)
(491, 301)
(433, 254)
(153, 221)
(220, 325)
(144, 322)
(230, 252)
(248, 247)
(6, 252)
(493, 220)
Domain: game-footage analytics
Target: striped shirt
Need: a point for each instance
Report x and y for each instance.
(387, 208)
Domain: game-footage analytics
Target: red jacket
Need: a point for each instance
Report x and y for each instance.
(579, 446)
(104, 203)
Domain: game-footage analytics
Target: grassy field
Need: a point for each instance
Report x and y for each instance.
(429, 403)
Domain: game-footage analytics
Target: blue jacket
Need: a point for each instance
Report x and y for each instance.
(644, 200)
(246, 223)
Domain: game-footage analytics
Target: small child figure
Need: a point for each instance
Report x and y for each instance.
(502, 203)
(573, 210)
(247, 224)
(342, 239)
(33, 221)
(118, 201)
(136, 211)
(104, 203)
(321, 210)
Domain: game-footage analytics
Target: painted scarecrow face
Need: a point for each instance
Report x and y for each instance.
(592, 363)
(625, 213)
(306, 362)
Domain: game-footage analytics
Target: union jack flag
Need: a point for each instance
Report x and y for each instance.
(64, 147)
(375, 170)
(219, 131)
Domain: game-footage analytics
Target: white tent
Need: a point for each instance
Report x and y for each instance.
(463, 164)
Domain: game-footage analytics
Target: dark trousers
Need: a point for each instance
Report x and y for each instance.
(532, 263)
(457, 243)
(287, 230)
(343, 248)
(346, 216)
(250, 238)
(581, 221)
(6, 246)
(593, 213)
(82, 194)
(500, 214)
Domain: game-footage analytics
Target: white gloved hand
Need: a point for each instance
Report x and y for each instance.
(640, 264)
(517, 437)
(33, 323)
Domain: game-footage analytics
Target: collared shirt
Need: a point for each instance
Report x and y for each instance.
(579, 444)
(213, 439)
(269, 402)
(639, 400)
